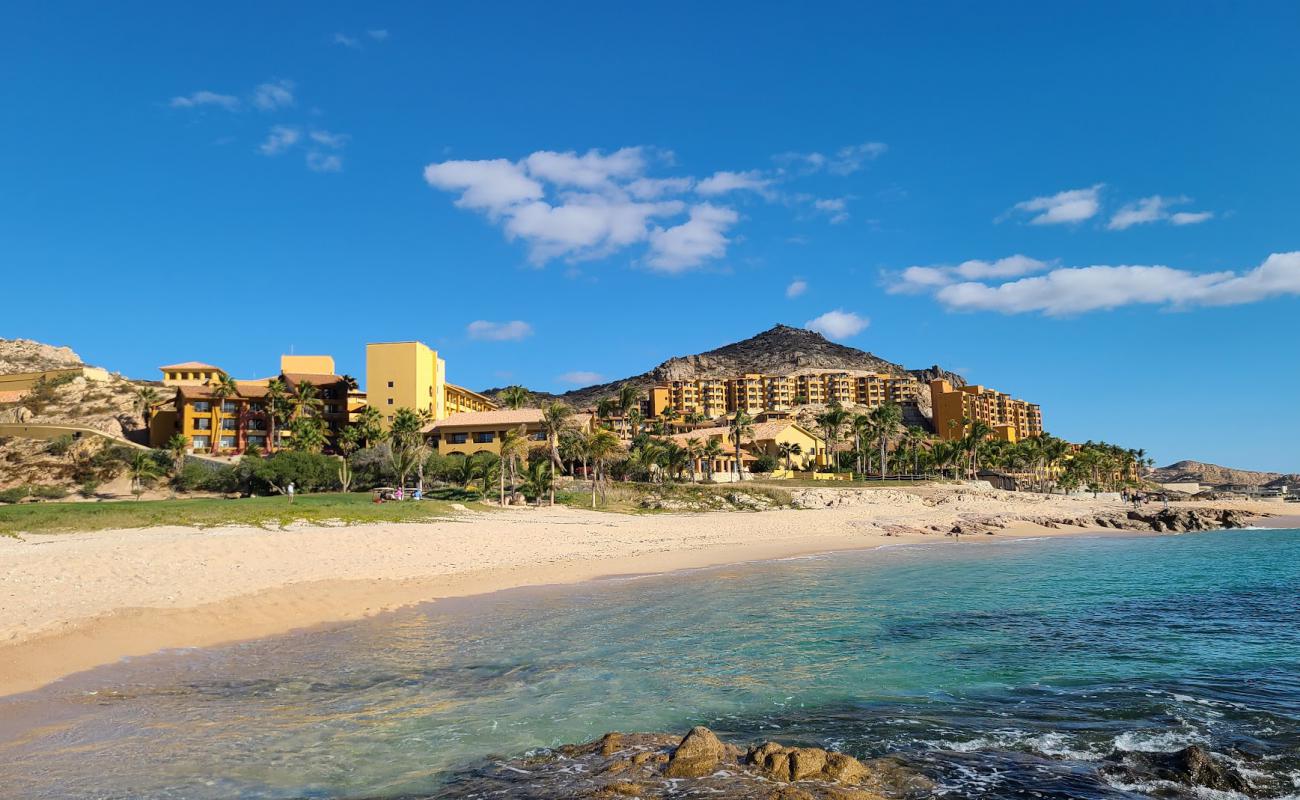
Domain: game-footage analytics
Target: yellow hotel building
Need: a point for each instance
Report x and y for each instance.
(411, 375)
(754, 393)
(1011, 419)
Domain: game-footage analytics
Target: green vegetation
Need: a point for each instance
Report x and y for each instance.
(351, 509)
(656, 498)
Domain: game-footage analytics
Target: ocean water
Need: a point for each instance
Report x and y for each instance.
(1004, 669)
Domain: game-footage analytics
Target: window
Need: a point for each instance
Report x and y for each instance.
(390, 417)
(390, 401)
(540, 436)
(200, 442)
(228, 424)
(457, 438)
(484, 437)
(256, 408)
(257, 441)
(203, 424)
(229, 407)
(390, 384)
(203, 406)
(227, 441)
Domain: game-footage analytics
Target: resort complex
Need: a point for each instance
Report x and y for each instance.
(955, 409)
(754, 393)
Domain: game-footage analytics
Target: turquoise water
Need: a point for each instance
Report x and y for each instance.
(1005, 669)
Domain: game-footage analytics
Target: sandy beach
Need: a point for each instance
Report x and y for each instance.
(69, 602)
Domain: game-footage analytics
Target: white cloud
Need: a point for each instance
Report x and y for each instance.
(274, 94)
(491, 185)
(1190, 217)
(1074, 290)
(206, 98)
(796, 288)
(346, 41)
(1156, 209)
(581, 378)
(511, 331)
(838, 324)
(591, 170)
(280, 139)
(324, 162)
(327, 139)
(700, 238)
(577, 207)
(851, 159)
(834, 207)
(920, 279)
(652, 188)
(844, 161)
(378, 34)
(1074, 205)
(724, 182)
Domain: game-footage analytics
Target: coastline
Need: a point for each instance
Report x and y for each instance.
(77, 601)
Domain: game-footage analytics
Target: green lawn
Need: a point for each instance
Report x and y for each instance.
(809, 483)
(352, 508)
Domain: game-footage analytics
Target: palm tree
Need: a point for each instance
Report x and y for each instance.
(712, 450)
(403, 460)
(370, 425)
(863, 427)
(694, 449)
(277, 407)
(306, 400)
(976, 432)
(539, 480)
(555, 420)
(831, 420)
(634, 420)
(914, 437)
(143, 469)
(788, 451)
(176, 446)
(514, 447)
(740, 426)
(628, 399)
(224, 386)
(349, 382)
(349, 439)
(406, 428)
(515, 397)
(887, 418)
(605, 408)
(146, 397)
(601, 446)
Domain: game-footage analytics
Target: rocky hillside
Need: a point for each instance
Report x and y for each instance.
(25, 355)
(1215, 475)
(781, 350)
(108, 406)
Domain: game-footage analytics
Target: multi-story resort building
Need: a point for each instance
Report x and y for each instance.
(755, 392)
(411, 375)
(216, 419)
(1010, 419)
(473, 432)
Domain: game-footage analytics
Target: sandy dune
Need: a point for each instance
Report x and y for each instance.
(69, 602)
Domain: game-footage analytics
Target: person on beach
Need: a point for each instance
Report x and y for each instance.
(289, 491)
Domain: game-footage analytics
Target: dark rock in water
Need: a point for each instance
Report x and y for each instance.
(1192, 766)
(649, 765)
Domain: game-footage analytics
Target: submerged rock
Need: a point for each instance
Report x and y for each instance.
(649, 765)
(1192, 766)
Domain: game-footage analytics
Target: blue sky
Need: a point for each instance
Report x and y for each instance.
(600, 187)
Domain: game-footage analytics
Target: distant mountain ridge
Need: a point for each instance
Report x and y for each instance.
(1215, 475)
(780, 350)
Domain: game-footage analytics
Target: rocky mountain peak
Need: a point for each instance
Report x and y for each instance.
(27, 355)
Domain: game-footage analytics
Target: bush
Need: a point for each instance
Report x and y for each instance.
(763, 464)
(13, 495)
(200, 477)
(88, 488)
(60, 446)
(308, 472)
(49, 492)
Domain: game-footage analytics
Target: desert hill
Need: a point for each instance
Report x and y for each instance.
(780, 350)
(1215, 475)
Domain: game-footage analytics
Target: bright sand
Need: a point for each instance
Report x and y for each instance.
(69, 602)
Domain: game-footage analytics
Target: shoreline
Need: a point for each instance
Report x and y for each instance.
(284, 581)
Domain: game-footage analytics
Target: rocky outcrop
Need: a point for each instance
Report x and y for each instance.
(1192, 766)
(1215, 475)
(26, 355)
(698, 764)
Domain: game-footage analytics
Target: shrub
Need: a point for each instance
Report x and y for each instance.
(88, 488)
(13, 495)
(49, 492)
(308, 472)
(60, 446)
(763, 464)
(201, 477)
